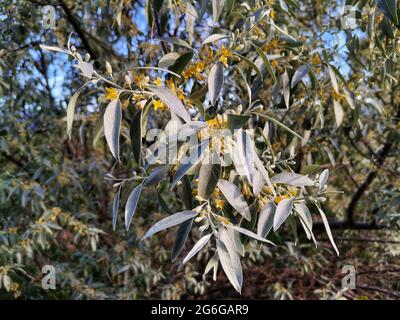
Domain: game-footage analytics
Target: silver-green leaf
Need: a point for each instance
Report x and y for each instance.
(197, 247)
(170, 221)
(234, 197)
(131, 205)
(283, 210)
(215, 81)
(112, 126)
(171, 100)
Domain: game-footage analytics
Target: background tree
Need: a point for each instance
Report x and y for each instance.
(337, 88)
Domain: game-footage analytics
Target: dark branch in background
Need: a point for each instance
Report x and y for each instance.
(163, 45)
(75, 24)
(380, 159)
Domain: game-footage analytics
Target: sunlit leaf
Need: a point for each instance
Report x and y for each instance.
(234, 197)
(170, 221)
(283, 210)
(131, 205)
(215, 81)
(197, 247)
(112, 126)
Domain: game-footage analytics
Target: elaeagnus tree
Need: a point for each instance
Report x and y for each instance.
(240, 109)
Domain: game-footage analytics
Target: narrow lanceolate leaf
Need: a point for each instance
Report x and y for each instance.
(228, 265)
(157, 175)
(332, 75)
(243, 155)
(52, 48)
(136, 135)
(197, 247)
(281, 125)
(293, 179)
(217, 7)
(299, 75)
(131, 205)
(234, 197)
(197, 153)
(258, 182)
(264, 172)
(112, 126)
(208, 177)
(266, 220)
(215, 81)
(213, 38)
(305, 218)
(176, 41)
(212, 264)
(170, 221)
(71, 111)
(286, 88)
(115, 208)
(171, 100)
(328, 229)
(283, 210)
(228, 239)
(168, 59)
(266, 61)
(181, 236)
(251, 64)
(250, 234)
(181, 63)
(339, 112)
(323, 178)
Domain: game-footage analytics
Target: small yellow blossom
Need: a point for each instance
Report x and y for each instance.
(280, 198)
(293, 191)
(141, 80)
(219, 204)
(171, 84)
(158, 104)
(316, 59)
(137, 97)
(272, 14)
(112, 94)
(158, 81)
(224, 55)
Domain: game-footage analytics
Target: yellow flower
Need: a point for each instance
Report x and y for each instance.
(141, 80)
(280, 198)
(137, 97)
(171, 84)
(272, 14)
(200, 66)
(219, 204)
(112, 94)
(274, 63)
(224, 55)
(158, 81)
(158, 104)
(316, 59)
(213, 123)
(293, 191)
(180, 94)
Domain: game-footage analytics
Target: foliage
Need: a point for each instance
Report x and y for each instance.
(242, 109)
